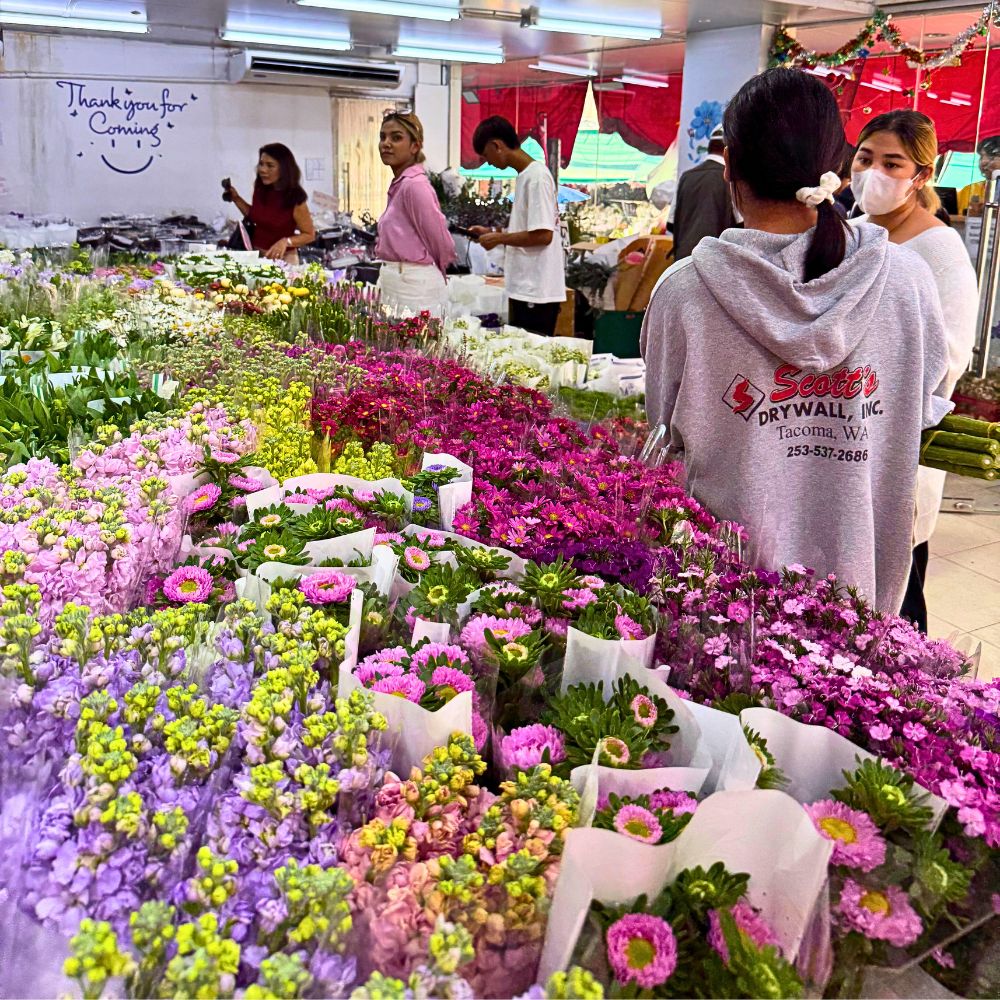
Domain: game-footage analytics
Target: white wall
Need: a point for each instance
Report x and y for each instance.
(64, 154)
(432, 104)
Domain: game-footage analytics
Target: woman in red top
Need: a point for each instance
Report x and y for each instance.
(279, 213)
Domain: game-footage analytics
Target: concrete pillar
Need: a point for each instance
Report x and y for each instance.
(716, 64)
(432, 100)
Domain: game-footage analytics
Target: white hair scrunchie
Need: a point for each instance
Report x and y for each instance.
(815, 196)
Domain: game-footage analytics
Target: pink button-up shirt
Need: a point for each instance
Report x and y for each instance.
(412, 229)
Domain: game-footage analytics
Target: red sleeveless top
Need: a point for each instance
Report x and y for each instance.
(272, 220)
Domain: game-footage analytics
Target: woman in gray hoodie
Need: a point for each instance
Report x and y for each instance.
(795, 362)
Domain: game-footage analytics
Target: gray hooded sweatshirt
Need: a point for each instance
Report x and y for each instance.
(799, 407)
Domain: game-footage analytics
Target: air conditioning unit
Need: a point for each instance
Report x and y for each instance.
(313, 71)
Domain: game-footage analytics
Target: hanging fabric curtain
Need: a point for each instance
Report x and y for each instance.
(551, 110)
(647, 118)
(950, 98)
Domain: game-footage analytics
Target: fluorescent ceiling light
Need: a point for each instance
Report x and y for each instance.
(643, 81)
(447, 52)
(445, 11)
(580, 26)
(84, 17)
(327, 43)
(557, 67)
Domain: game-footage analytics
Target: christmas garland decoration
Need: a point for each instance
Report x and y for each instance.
(786, 51)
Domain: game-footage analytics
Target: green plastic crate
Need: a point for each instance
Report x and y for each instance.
(617, 332)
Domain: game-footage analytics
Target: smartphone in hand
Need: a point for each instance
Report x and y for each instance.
(227, 189)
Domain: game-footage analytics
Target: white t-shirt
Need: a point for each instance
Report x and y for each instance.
(535, 274)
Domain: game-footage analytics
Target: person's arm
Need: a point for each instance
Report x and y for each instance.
(240, 202)
(420, 202)
(528, 238)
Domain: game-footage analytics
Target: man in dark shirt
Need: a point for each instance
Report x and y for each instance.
(704, 205)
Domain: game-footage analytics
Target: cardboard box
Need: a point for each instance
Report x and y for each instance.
(634, 282)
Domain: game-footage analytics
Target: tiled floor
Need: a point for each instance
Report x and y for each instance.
(963, 577)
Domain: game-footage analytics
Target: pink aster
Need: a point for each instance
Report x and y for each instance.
(473, 636)
(298, 500)
(188, 585)
(748, 922)
(677, 802)
(639, 824)
(203, 498)
(371, 670)
(644, 711)
(641, 949)
(416, 558)
(881, 914)
(404, 686)
(223, 456)
(628, 628)
(387, 537)
(559, 627)
(592, 582)
(249, 484)
(615, 750)
(480, 731)
(154, 586)
(576, 600)
(857, 842)
(525, 747)
(329, 586)
(450, 682)
(436, 651)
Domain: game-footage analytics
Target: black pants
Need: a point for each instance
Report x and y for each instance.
(914, 606)
(538, 317)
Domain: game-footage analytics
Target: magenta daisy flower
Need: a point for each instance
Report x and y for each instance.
(559, 627)
(882, 914)
(387, 537)
(370, 670)
(525, 747)
(327, 587)
(749, 923)
(249, 484)
(450, 682)
(628, 628)
(644, 711)
(442, 654)
(857, 842)
(298, 500)
(639, 824)
(224, 457)
(677, 802)
(614, 752)
(432, 539)
(203, 498)
(404, 686)
(416, 558)
(576, 600)
(188, 585)
(473, 636)
(641, 949)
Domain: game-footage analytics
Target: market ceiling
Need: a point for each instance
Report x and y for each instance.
(495, 24)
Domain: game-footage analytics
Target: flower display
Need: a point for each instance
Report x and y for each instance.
(857, 842)
(882, 914)
(531, 745)
(189, 584)
(327, 587)
(642, 949)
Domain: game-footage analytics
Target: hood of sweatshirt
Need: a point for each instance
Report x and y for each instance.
(756, 278)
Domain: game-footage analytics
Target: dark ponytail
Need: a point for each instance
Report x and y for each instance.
(783, 132)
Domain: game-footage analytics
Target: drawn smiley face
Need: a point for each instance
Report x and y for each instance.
(125, 170)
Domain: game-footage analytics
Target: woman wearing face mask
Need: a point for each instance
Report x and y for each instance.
(892, 182)
(279, 213)
(767, 356)
(413, 238)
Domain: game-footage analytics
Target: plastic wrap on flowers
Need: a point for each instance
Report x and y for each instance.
(759, 832)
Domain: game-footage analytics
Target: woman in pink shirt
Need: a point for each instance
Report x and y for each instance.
(413, 238)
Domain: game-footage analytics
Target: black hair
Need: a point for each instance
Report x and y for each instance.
(492, 128)
(783, 132)
(289, 178)
(990, 146)
(716, 146)
(847, 163)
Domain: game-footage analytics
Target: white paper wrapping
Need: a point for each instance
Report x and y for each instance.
(592, 661)
(325, 481)
(734, 764)
(513, 572)
(766, 834)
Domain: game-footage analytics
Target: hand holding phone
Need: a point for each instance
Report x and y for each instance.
(227, 189)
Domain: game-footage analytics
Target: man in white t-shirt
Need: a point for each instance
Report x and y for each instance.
(535, 268)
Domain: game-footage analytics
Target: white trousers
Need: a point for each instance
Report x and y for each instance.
(409, 289)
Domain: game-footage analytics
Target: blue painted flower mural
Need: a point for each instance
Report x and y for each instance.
(707, 115)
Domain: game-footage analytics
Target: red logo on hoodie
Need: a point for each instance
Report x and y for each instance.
(844, 383)
(743, 397)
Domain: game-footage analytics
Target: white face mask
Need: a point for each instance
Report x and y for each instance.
(878, 193)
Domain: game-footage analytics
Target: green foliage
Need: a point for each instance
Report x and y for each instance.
(887, 796)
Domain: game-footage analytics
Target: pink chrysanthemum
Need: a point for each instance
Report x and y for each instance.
(677, 802)
(298, 500)
(882, 914)
(628, 628)
(387, 537)
(188, 585)
(224, 457)
(644, 711)
(857, 842)
(226, 529)
(327, 587)
(480, 732)
(577, 600)
(432, 539)
(559, 627)
(203, 498)
(525, 747)
(249, 484)
(592, 582)
(504, 629)
(639, 824)
(324, 493)
(615, 750)
(416, 558)
(525, 612)
(450, 682)
(748, 921)
(404, 686)
(642, 949)
(371, 670)
(454, 656)
(364, 496)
